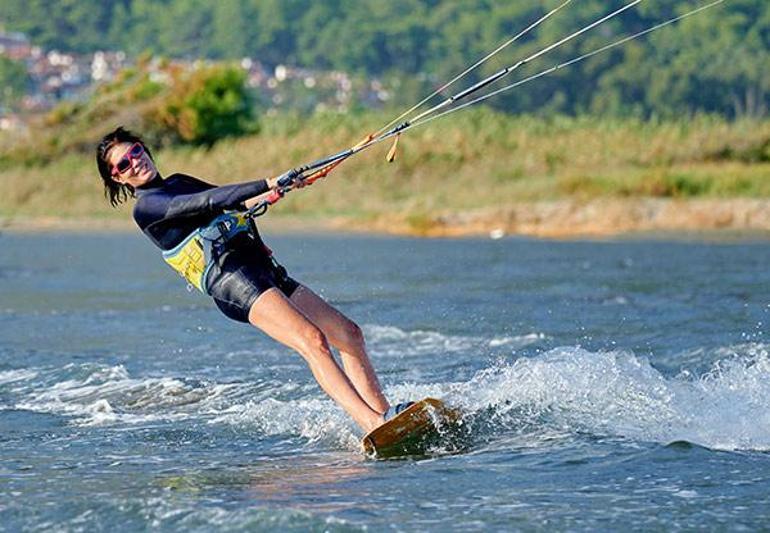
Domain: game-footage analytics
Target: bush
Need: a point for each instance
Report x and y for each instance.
(675, 185)
(13, 81)
(201, 107)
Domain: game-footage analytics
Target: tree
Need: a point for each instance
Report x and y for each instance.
(13, 80)
(712, 62)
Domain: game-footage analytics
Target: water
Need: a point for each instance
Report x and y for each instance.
(620, 385)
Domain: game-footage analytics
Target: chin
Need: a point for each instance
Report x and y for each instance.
(147, 176)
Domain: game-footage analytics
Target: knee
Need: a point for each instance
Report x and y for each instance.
(352, 334)
(313, 344)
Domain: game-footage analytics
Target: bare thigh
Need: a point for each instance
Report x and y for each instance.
(279, 317)
(342, 332)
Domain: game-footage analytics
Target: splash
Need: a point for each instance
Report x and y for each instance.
(97, 395)
(618, 394)
(391, 341)
(566, 392)
(317, 420)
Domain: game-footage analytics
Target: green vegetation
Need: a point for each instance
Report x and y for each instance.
(478, 159)
(708, 63)
(679, 116)
(202, 107)
(13, 81)
(167, 104)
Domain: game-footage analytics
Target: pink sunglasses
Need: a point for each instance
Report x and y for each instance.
(135, 152)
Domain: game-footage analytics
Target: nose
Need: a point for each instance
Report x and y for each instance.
(136, 163)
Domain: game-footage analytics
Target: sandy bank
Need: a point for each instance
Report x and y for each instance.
(569, 218)
(594, 218)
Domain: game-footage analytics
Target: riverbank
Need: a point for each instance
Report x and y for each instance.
(572, 218)
(478, 173)
(561, 219)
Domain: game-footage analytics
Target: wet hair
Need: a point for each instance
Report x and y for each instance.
(116, 192)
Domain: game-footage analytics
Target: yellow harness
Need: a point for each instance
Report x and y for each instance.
(195, 255)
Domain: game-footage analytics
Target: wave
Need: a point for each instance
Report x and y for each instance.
(619, 394)
(570, 391)
(565, 392)
(389, 341)
(317, 420)
(12, 376)
(96, 395)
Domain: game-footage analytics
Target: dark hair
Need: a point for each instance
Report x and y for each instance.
(116, 192)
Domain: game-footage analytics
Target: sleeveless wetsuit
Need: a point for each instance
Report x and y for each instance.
(168, 210)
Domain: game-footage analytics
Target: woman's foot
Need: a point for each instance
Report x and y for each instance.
(393, 410)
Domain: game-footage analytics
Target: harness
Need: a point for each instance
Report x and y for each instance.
(196, 254)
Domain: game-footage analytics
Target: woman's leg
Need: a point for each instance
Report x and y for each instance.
(277, 316)
(346, 336)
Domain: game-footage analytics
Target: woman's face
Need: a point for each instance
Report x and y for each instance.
(130, 164)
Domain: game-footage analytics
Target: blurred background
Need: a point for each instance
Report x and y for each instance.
(240, 89)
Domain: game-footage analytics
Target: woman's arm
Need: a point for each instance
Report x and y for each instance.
(228, 197)
(271, 183)
(166, 204)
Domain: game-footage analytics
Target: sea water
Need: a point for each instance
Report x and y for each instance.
(604, 385)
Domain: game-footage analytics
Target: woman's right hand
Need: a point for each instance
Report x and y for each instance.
(272, 183)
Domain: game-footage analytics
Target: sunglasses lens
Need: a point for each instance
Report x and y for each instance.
(134, 152)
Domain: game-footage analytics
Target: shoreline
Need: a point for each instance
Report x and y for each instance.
(603, 218)
(566, 219)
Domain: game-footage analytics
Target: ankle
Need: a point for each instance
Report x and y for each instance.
(374, 422)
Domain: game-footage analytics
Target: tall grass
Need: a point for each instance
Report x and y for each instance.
(476, 159)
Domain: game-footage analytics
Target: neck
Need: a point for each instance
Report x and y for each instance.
(152, 183)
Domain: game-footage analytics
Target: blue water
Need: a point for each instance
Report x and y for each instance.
(605, 385)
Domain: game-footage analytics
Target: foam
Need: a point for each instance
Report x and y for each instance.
(11, 376)
(619, 394)
(567, 391)
(107, 394)
(389, 341)
(317, 420)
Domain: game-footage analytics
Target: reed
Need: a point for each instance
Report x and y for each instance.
(475, 159)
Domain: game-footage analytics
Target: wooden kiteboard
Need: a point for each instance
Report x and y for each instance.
(412, 431)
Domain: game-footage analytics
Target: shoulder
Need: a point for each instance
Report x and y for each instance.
(144, 203)
(184, 179)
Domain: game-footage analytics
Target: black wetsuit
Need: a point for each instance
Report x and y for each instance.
(168, 210)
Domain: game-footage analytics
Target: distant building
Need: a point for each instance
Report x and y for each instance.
(15, 46)
(56, 76)
(104, 65)
(11, 122)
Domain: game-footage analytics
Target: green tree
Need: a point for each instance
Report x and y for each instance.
(13, 80)
(234, 29)
(711, 62)
(72, 25)
(137, 31)
(185, 29)
(203, 107)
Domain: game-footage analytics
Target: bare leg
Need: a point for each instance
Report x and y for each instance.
(346, 336)
(277, 316)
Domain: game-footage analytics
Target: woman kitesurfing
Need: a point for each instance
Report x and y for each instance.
(209, 236)
(239, 272)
